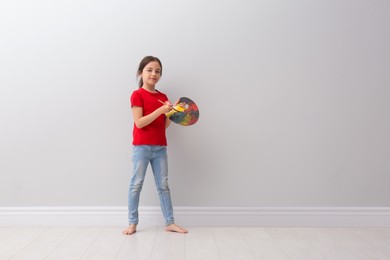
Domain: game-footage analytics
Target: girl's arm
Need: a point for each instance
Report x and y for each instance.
(167, 122)
(142, 121)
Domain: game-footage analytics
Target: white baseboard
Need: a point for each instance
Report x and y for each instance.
(199, 216)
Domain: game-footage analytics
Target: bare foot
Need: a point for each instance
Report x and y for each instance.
(175, 228)
(130, 230)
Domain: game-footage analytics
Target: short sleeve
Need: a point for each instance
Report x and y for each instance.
(136, 99)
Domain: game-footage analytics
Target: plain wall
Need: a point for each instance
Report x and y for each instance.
(293, 97)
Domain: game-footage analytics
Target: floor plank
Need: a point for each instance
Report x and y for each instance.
(377, 237)
(328, 245)
(6, 232)
(17, 241)
(262, 245)
(292, 244)
(207, 243)
(168, 245)
(231, 245)
(44, 244)
(375, 245)
(200, 244)
(76, 243)
(106, 246)
(137, 246)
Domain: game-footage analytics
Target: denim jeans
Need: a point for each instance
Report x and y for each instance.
(157, 157)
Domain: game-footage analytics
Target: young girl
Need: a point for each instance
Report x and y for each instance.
(149, 107)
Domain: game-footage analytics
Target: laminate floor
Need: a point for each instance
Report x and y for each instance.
(235, 243)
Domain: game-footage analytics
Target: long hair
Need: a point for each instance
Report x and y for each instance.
(145, 61)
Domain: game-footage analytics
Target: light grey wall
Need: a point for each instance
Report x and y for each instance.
(293, 96)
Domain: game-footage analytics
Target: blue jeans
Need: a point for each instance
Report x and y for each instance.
(157, 157)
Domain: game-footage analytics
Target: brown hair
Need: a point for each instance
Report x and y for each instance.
(145, 61)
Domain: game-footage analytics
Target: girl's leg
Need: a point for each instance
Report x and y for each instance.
(159, 164)
(141, 158)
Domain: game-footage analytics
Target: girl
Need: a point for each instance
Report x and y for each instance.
(149, 143)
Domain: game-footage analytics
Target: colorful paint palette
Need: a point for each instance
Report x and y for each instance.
(185, 113)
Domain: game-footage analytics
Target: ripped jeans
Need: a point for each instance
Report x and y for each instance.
(157, 157)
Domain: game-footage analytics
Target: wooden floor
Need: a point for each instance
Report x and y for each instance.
(269, 243)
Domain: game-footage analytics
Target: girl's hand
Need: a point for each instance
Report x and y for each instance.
(166, 107)
(180, 106)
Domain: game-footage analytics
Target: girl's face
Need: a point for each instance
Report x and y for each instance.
(151, 74)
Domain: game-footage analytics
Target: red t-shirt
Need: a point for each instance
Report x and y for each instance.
(154, 133)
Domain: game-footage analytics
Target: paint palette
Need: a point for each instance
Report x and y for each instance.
(185, 113)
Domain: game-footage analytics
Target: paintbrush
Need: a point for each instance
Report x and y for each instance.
(162, 102)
